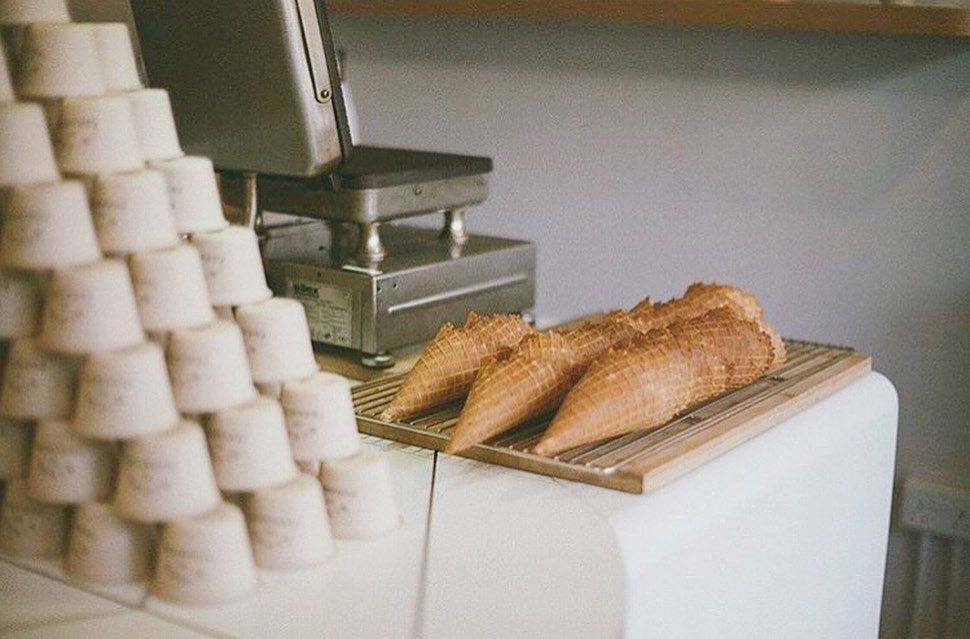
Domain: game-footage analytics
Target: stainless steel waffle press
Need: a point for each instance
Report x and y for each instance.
(256, 87)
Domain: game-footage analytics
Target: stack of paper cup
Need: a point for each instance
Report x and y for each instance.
(26, 156)
(277, 340)
(170, 289)
(91, 308)
(16, 438)
(155, 125)
(233, 266)
(194, 193)
(166, 476)
(209, 369)
(68, 469)
(48, 226)
(58, 61)
(119, 68)
(249, 446)
(320, 417)
(132, 212)
(288, 524)
(20, 305)
(105, 549)
(31, 529)
(97, 135)
(359, 495)
(206, 559)
(124, 394)
(37, 384)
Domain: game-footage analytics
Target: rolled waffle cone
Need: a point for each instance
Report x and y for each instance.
(448, 366)
(697, 300)
(647, 384)
(532, 380)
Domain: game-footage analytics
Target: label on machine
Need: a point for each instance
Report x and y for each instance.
(329, 311)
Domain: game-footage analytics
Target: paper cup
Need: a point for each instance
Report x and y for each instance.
(155, 125)
(320, 417)
(359, 495)
(90, 308)
(170, 289)
(37, 384)
(205, 560)
(277, 340)
(105, 549)
(68, 469)
(125, 394)
(29, 11)
(166, 476)
(59, 61)
(132, 212)
(194, 192)
(21, 302)
(97, 135)
(26, 155)
(249, 447)
(48, 226)
(116, 56)
(6, 87)
(233, 266)
(209, 369)
(288, 525)
(30, 529)
(16, 439)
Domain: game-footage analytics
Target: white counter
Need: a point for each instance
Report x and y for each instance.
(784, 536)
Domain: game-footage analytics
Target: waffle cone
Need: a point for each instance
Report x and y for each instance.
(532, 380)
(446, 369)
(698, 299)
(669, 369)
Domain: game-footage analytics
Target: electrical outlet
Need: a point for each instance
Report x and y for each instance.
(937, 509)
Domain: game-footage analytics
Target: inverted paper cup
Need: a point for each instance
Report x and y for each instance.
(205, 560)
(277, 340)
(6, 87)
(30, 529)
(166, 476)
(155, 125)
(170, 289)
(97, 135)
(16, 438)
(48, 226)
(194, 192)
(320, 417)
(29, 11)
(68, 469)
(132, 212)
(249, 446)
(102, 548)
(233, 266)
(116, 56)
(26, 154)
(90, 308)
(359, 495)
(208, 368)
(21, 302)
(124, 394)
(59, 61)
(37, 384)
(288, 524)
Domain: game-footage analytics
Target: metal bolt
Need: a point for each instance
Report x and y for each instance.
(325, 94)
(418, 190)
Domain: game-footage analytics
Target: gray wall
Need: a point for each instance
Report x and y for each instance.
(826, 173)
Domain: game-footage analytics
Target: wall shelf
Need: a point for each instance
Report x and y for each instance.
(760, 14)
